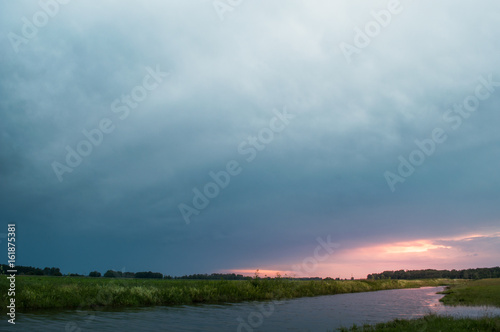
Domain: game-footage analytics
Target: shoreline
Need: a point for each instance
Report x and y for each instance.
(69, 293)
(470, 293)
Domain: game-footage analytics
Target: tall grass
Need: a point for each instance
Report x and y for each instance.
(432, 323)
(36, 292)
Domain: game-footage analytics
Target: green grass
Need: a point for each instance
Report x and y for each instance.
(474, 292)
(34, 292)
(433, 323)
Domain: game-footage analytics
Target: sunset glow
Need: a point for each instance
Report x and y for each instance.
(418, 246)
(440, 253)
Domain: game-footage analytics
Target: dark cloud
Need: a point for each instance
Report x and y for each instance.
(323, 174)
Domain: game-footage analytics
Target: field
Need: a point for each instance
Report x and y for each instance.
(34, 292)
(467, 292)
(474, 292)
(433, 323)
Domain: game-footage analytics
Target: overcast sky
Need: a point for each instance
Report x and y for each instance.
(371, 125)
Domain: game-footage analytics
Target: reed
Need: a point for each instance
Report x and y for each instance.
(42, 292)
(431, 323)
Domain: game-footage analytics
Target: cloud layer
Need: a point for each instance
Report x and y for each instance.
(323, 174)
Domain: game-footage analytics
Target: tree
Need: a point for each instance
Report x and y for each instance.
(95, 274)
(55, 271)
(52, 271)
(113, 274)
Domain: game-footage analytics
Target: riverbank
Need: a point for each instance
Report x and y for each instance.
(467, 293)
(34, 292)
(473, 292)
(432, 323)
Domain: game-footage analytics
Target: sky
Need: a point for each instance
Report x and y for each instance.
(306, 138)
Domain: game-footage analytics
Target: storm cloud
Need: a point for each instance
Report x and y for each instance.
(172, 91)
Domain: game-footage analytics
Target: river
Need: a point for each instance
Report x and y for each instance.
(321, 313)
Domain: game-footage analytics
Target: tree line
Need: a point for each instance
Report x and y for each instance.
(156, 275)
(479, 273)
(29, 270)
(55, 271)
(120, 274)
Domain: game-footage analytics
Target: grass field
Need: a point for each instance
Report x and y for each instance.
(474, 292)
(34, 292)
(467, 292)
(433, 323)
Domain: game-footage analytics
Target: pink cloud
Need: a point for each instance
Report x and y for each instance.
(459, 252)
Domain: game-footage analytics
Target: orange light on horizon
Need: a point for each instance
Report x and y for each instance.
(412, 247)
(439, 253)
(251, 272)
